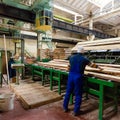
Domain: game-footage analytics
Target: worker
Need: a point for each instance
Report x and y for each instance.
(75, 79)
(12, 72)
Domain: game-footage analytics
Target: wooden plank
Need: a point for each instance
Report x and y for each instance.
(109, 65)
(55, 65)
(95, 43)
(108, 69)
(100, 41)
(102, 47)
(103, 44)
(40, 95)
(105, 71)
(103, 76)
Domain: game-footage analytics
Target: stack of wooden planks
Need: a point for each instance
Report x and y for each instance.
(45, 53)
(103, 44)
(39, 96)
(109, 72)
(59, 53)
(56, 64)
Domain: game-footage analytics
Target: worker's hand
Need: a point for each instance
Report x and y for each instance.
(68, 68)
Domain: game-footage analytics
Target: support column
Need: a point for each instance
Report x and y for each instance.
(15, 48)
(22, 57)
(91, 24)
(39, 45)
(0, 68)
(91, 36)
(116, 32)
(75, 19)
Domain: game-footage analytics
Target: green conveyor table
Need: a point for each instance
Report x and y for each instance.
(103, 85)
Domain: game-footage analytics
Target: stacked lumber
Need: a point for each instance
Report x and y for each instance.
(59, 53)
(39, 96)
(67, 52)
(45, 53)
(103, 44)
(109, 72)
(56, 64)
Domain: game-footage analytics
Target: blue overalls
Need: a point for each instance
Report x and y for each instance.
(12, 72)
(75, 80)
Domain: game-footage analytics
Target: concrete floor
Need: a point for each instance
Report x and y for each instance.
(51, 111)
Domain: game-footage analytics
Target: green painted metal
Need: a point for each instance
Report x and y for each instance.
(63, 18)
(101, 93)
(101, 102)
(37, 72)
(104, 60)
(41, 4)
(93, 91)
(55, 75)
(100, 81)
(15, 3)
(47, 71)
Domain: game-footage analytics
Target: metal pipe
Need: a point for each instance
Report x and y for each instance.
(63, 18)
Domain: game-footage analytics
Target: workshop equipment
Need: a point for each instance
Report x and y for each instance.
(107, 83)
(17, 67)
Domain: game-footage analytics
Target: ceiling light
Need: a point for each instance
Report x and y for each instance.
(66, 10)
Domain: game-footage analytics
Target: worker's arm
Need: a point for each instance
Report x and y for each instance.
(95, 65)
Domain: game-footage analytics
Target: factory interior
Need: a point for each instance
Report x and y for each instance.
(37, 41)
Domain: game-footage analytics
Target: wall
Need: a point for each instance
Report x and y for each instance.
(30, 46)
(9, 44)
(57, 32)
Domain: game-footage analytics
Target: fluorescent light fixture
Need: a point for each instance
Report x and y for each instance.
(66, 10)
(28, 33)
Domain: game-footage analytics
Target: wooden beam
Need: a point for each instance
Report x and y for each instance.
(103, 76)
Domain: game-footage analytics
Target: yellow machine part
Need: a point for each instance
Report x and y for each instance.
(16, 40)
(42, 27)
(37, 22)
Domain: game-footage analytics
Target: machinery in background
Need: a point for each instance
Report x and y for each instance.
(44, 29)
(104, 56)
(43, 20)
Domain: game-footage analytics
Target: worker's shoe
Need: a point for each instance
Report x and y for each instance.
(66, 110)
(78, 113)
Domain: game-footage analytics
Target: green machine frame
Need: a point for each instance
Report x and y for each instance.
(100, 92)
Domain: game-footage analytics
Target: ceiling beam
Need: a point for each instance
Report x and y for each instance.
(29, 16)
(16, 13)
(102, 16)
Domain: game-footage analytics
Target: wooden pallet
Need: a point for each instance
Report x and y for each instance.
(34, 95)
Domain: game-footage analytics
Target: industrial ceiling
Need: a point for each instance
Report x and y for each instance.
(105, 16)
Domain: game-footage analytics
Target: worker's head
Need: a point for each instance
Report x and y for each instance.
(80, 49)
